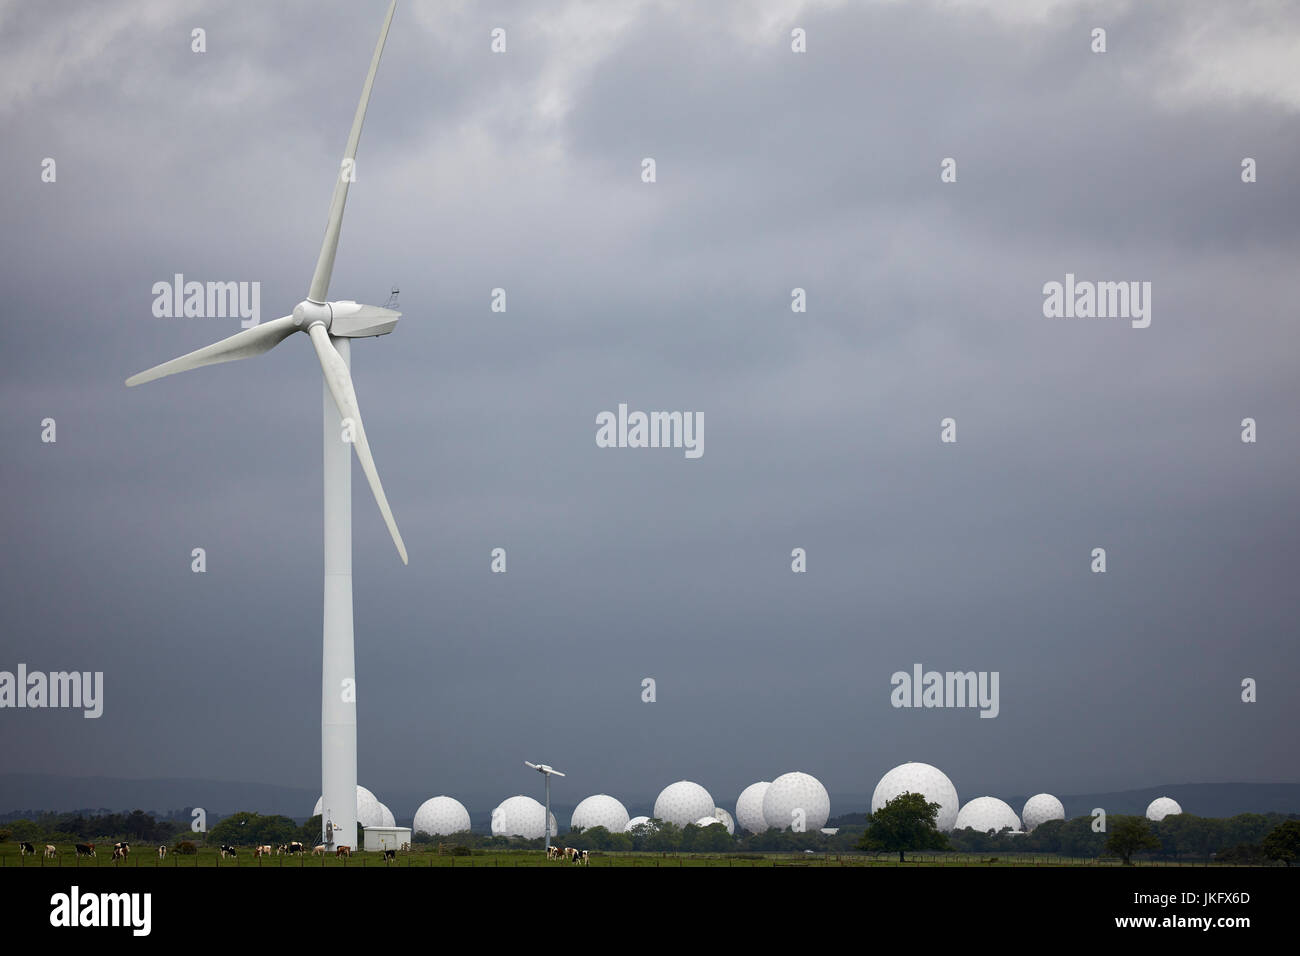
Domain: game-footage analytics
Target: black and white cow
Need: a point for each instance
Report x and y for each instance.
(24, 848)
(228, 851)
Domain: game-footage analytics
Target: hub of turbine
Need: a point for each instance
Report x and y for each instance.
(308, 313)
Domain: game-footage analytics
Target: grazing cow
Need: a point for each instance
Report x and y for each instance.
(262, 851)
(583, 857)
(227, 850)
(343, 851)
(295, 847)
(24, 848)
(85, 849)
(406, 848)
(122, 850)
(162, 851)
(390, 855)
(117, 853)
(318, 850)
(51, 851)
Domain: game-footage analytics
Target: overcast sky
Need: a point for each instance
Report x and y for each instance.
(775, 170)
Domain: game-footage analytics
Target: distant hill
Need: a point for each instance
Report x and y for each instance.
(50, 792)
(1201, 799)
(32, 791)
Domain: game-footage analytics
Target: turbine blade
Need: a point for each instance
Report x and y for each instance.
(260, 338)
(320, 280)
(339, 380)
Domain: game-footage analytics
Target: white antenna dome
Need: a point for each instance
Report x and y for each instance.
(922, 778)
(440, 816)
(600, 810)
(683, 802)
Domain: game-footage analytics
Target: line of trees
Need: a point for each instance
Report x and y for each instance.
(134, 827)
(254, 829)
(1183, 836)
(905, 824)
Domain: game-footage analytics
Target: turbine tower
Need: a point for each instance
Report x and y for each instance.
(330, 326)
(546, 772)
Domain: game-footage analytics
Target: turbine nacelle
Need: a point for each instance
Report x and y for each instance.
(345, 318)
(543, 768)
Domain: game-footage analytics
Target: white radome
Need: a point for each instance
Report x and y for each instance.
(389, 819)
(521, 816)
(725, 818)
(930, 782)
(708, 822)
(369, 812)
(600, 810)
(1162, 807)
(987, 813)
(635, 822)
(1040, 808)
(440, 816)
(796, 800)
(683, 802)
(749, 807)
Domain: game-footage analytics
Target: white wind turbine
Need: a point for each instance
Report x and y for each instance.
(330, 326)
(546, 772)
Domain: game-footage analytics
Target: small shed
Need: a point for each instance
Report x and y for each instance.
(386, 838)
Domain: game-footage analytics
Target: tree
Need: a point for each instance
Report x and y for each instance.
(1180, 834)
(905, 823)
(619, 843)
(1247, 828)
(1243, 854)
(254, 829)
(1283, 842)
(1128, 835)
(709, 839)
(665, 838)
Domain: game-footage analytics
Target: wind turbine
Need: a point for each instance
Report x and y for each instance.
(546, 772)
(330, 325)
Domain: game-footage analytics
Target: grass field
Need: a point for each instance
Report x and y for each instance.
(423, 855)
